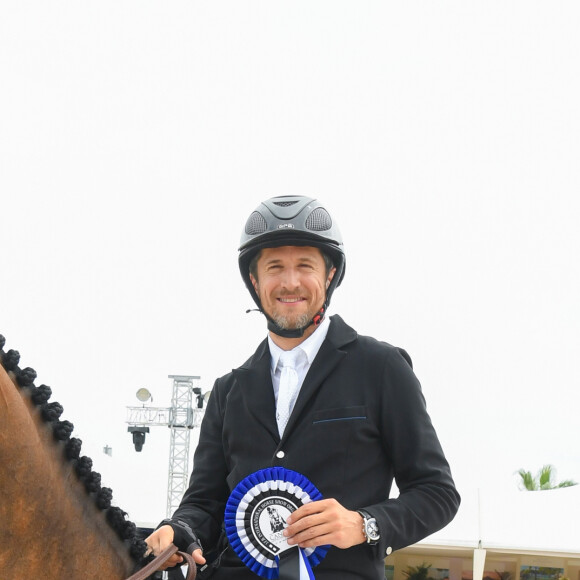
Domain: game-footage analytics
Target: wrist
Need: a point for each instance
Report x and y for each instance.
(361, 528)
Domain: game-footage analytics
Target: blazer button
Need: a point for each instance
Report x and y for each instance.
(280, 454)
(389, 551)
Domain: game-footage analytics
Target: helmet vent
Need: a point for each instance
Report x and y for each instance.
(285, 203)
(256, 224)
(319, 220)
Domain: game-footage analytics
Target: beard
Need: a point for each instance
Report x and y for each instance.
(287, 323)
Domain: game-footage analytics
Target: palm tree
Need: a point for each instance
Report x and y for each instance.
(544, 479)
(420, 572)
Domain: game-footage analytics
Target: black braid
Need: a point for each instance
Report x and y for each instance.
(137, 548)
(124, 528)
(104, 498)
(62, 430)
(51, 411)
(26, 377)
(10, 360)
(129, 530)
(41, 395)
(83, 467)
(93, 482)
(72, 448)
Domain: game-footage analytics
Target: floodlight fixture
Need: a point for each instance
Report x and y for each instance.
(138, 436)
(143, 395)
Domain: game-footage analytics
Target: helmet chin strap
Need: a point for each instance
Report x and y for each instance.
(295, 332)
(292, 332)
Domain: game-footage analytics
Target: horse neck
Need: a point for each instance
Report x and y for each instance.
(49, 526)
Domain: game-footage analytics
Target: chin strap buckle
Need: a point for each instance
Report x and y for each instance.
(318, 318)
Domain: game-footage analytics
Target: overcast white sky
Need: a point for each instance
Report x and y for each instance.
(136, 137)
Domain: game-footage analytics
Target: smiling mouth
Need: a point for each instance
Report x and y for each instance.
(290, 300)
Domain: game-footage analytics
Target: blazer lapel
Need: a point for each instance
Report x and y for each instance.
(255, 381)
(328, 357)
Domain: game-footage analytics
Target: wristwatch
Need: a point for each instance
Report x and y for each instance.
(370, 528)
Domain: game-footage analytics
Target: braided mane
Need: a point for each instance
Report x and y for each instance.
(50, 437)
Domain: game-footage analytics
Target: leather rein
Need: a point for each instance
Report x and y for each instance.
(161, 559)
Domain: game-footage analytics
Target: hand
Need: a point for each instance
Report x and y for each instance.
(324, 522)
(160, 539)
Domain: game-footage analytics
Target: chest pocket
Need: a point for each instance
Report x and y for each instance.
(326, 416)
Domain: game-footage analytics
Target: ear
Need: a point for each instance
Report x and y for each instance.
(254, 283)
(330, 277)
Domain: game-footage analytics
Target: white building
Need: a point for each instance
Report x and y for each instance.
(520, 531)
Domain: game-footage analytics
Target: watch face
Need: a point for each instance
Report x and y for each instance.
(372, 529)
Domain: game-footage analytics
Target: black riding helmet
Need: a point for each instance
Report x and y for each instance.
(291, 220)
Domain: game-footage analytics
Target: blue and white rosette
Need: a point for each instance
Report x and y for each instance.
(255, 519)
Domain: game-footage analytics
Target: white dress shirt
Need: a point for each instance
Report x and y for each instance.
(309, 348)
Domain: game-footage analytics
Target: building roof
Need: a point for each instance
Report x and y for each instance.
(542, 522)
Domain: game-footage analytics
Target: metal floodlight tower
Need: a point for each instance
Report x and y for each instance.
(181, 418)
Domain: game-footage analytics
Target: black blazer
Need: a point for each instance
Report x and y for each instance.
(359, 421)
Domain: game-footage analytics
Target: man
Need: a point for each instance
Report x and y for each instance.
(357, 421)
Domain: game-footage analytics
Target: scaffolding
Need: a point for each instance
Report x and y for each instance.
(181, 418)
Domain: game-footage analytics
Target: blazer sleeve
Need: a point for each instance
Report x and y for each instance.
(428, 499)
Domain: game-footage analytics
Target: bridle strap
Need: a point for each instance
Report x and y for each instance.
(161, 559)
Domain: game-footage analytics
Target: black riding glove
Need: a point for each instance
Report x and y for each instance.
(183, 536)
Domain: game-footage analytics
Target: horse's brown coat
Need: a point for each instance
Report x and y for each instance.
(50, 528)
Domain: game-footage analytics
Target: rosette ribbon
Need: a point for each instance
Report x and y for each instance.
(255, 519)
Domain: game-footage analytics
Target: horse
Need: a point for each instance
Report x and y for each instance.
(56, 519)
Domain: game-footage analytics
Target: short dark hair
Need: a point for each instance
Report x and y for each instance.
(253, 268)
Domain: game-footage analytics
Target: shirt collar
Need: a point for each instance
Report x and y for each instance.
(310, 346)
